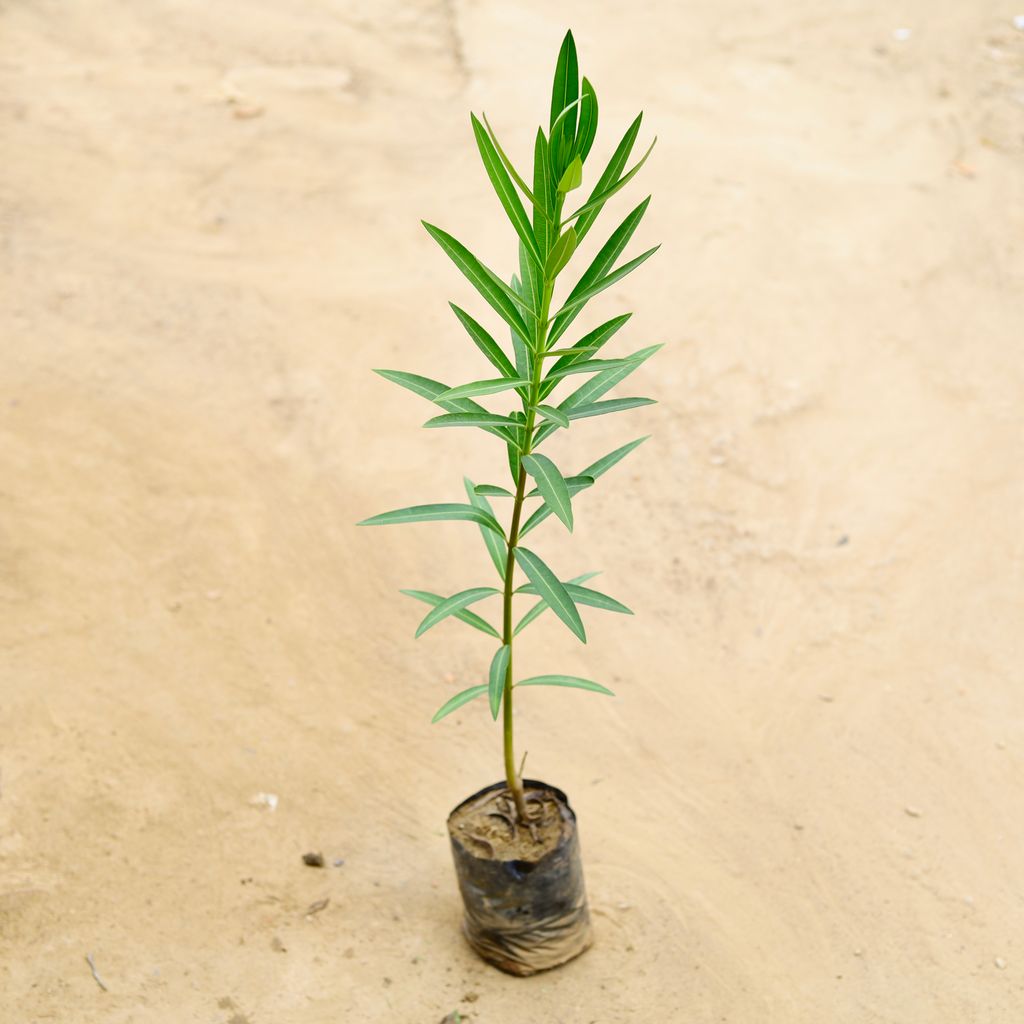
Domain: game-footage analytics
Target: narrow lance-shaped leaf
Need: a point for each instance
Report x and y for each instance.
(522, 343)
(586, 366)
(505, 190)
(611, 174)
(571, 681)
(550, 588)
(470, 419)
(551, 485)
(560, 254)
(574, 483)
(542, 606)
(513, 173)
(585, 347)
(470, 618)
(582, 412)
(573, 176)
(433, 514)
(496, 546)
(603, 464)
(588, 393)
(483, 387)
(592, 472)
(483, 341)
(457, 701)
(497, 294)
(453, 604)
(585, 596)
(430, 389)
(544, 192)
(607, 281)
(601, 265)
(496, 677)
(565, 90)
(493, 491)
(588, 120)
(549, 412)
(596, 202)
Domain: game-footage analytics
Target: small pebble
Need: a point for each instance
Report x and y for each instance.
(911, 812)
(1000, 963)
(313, 860)
(1018, 22)
(470, 997)
(339, 862)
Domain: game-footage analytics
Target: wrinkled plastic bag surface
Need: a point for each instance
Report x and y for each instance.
(521, 916)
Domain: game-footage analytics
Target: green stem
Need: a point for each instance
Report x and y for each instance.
(512, 778)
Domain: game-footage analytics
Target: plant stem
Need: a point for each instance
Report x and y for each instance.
(515, 783)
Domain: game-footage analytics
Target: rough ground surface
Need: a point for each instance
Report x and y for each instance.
(806, 803)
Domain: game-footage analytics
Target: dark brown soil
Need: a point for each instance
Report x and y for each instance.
(488, 828)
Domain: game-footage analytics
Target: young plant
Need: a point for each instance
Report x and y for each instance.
(533, 374)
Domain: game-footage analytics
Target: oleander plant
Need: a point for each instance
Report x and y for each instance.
(544, 383)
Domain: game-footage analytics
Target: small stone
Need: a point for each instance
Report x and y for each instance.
(339, 862)
(1000, 963)
(470, 997)
(911, 812)
(858, 952)
(313, 860)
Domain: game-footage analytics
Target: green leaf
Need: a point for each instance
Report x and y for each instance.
(483, 387)
(453, 604)
(551, 485)
(494, 291)
(496, 546)
(505, 189)
(513, 173)
(585, 366)
(582, 412)
(434, 514)
(544, 192)
(581, 299)
(573, 681)
(542, 606)
(554, 415)
(427, 388)
(496, 677)
(601, 265)
(585, 596)
(591, 473)
(591, 390)
(457, 701)
(565, 88)
(571, 350)
(575, 485)
(606, 462)
(483, 341)
(596, 202)
(471, 419)
(493, 491)
(470, 618)
(610, 175)
(513, 463)
(588, 120)
(532, 278)
(560, 254)
(549, 587)
(591, 342)
(573, 177)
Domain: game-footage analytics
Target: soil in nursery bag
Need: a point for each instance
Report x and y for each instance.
(522, 884)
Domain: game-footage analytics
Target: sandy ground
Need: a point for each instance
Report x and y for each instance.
(806, 803)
